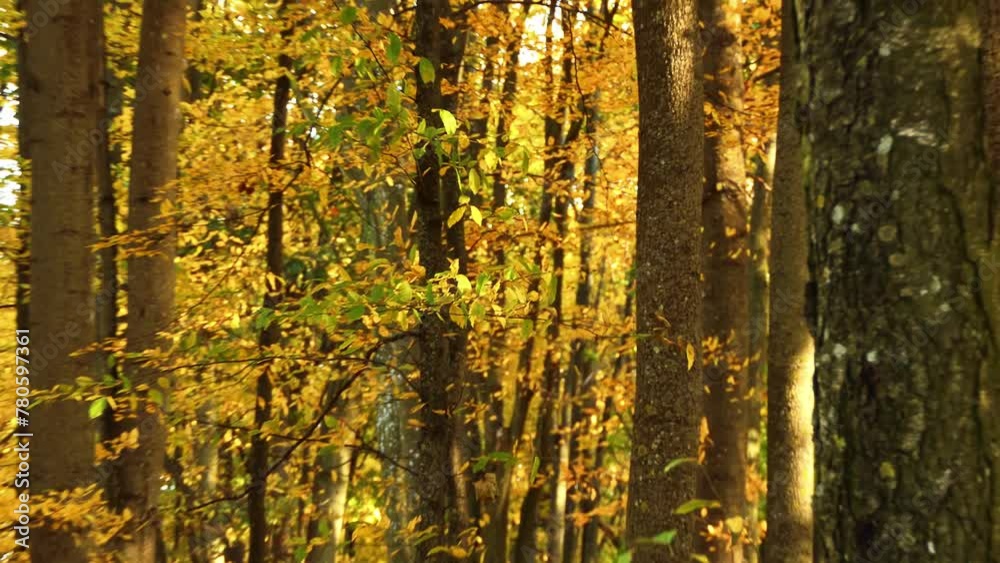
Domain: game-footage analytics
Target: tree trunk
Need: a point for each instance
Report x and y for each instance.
(258, 463)
(904, 258)
(107, 209)
(151, 278)
(668, 300)
(725, 266)
(59, 94)
(760, 244)
(790, 350)
(582, 397)
(441, 342)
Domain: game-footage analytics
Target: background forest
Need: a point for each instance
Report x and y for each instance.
(500, 280)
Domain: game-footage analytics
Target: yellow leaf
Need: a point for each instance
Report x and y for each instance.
(735, 524)
(489, 162)
(456, 216)
(476, 215)
(690, 356)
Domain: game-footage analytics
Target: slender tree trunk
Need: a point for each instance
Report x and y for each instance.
(441, 342)
(904, 259)
(760, 245)
(107, 209)
(790, 350)
(258, 463)
(725, 266)
(668, 301)
(59, 94)
(151, 278)
(582, 396)
(330, 487)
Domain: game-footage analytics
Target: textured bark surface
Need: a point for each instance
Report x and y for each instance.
(156, 125)
(904, 254)
(441, 342)
(668, 289)
(790, 350)
(60, 94)
(726, 271)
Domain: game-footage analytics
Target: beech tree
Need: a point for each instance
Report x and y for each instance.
(668, 290)
(59, 113)
(790, 360)
(135, 484)
(726, 271)
(903, 256)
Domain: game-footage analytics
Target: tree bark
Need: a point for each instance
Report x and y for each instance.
(725, 266)
(904, 257)
(441, 342)
(156, 125)
(59, 94)
(668, 301)
(790, 350)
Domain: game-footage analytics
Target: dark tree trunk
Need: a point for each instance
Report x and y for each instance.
(258, 463)
(904, 258)
(441, 342)
(668, 300)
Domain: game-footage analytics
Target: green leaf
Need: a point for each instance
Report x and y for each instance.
(426, 70)
(349, 15)
(664, 538)
(97, 407)
(394, 100)
(695, 504)
(679, 461)
(503, 457)
(481, 280)
(527, 328)
(624, 557)
(394, 49)
(156, 397)
(448, 121)
(404, 293)
(355, 312)
(534, 468)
